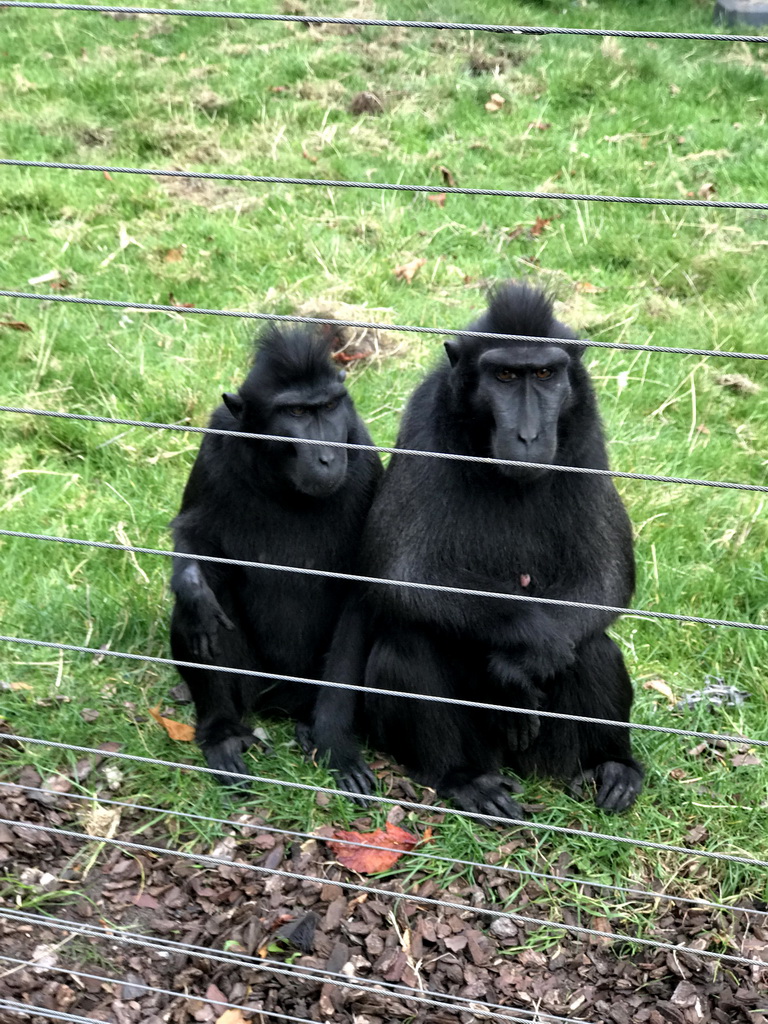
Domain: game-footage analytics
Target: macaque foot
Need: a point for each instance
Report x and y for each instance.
(486, 794)
(616, 785)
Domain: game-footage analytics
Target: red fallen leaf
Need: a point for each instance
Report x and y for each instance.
(107, 175)
(174, 255)
(176, 730)
(312, 159)
(348, 357)
(15, 325)
(279, 88)
(585, 286)
(437, 198)
(60, 286)
(368, 861)
(540, 225)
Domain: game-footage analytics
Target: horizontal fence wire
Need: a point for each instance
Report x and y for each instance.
(373, 986)
(101, 652)
(462, 26)
(410, 805)
(319, 321)
(449, 456)
(442, 1001)
(382, 186)
(377, 581)
(478, 1009)
(521, 874)
(36, 1010)
(370, 890)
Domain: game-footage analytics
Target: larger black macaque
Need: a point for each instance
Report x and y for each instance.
(280, 502)
(508, 529)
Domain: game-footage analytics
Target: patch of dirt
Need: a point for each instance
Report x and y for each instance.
(351, 344)
(212, 195)
(301, 943)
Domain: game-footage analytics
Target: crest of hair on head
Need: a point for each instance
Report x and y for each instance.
(290, 358)
(519, 308)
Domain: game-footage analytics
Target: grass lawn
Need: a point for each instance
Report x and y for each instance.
(622, 117)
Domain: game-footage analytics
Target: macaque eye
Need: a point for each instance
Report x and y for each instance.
(330, 406)
(506, 375)
(297, 410)
(543, 373)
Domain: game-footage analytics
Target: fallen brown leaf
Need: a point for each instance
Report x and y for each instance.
(173, 301)
(407, 271)
(697, 834)
(306, 155)
(368, 861)
(176, 730)
(661, 687)
(448, 178)
(585, 286)
(495, 103)
(15, 325)
(742, 760)
(540, 225)
(707, 190)
(174, 255)
(438, 198)
(738, 382)
(231, 1017)
(600, 924)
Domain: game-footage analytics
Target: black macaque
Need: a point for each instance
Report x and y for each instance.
(281, 502)
(508, 529)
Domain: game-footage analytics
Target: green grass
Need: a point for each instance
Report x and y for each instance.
(580, 115)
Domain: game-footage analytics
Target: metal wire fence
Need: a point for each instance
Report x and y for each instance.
(418, 998)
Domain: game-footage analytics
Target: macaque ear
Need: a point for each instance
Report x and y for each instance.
(453, 351)
(234, 403)
(342, 374)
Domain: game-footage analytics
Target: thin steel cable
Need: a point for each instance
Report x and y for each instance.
(154, 307)
(450, 456)
(410, 805)
(263, 179)
(355, 578)
(149, 989)
(35, 1010)
(154, 660)
(369, 985)
(465, 26)
(511, 915)
(522, 873)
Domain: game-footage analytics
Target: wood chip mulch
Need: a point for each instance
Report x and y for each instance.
(392, 957)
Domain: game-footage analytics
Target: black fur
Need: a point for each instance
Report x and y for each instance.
(509, 530)
(275, 502)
